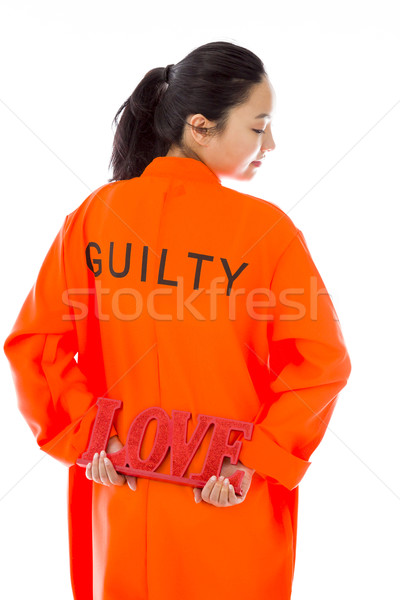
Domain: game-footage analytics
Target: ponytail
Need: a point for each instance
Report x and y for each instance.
(210, 80)
(136, 142)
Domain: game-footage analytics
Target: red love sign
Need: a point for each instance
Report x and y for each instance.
(171, 433)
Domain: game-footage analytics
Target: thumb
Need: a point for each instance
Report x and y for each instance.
(197, 495)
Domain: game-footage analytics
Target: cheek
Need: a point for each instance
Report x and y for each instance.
(250, 148)
(245, 146)
(237, 146)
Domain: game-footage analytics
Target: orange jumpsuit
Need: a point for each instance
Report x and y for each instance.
(172, 290)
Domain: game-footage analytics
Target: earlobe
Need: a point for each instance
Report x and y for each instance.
(200, 135)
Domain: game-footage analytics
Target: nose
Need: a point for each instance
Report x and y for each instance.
(268, 143)
(267, 147)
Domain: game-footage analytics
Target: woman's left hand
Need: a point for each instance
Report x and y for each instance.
(221, 494)
(101, 470)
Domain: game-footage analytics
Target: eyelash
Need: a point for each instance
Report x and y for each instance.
(259, 131)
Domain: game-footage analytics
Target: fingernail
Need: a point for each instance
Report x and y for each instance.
(107, 461)
(213, 478)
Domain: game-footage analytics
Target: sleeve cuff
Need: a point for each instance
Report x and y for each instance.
(68, 450)
(271, 460)
(71, 442)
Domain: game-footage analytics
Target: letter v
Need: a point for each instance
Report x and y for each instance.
(182, 452)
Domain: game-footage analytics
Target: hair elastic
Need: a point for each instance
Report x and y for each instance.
(166, 72)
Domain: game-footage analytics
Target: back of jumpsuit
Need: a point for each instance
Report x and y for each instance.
(172, 290)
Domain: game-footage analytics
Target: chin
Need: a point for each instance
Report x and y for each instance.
(245, 176)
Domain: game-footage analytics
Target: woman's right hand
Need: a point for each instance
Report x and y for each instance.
(101, 470)
(220, 492)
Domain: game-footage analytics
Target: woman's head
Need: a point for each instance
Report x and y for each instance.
(217, 86)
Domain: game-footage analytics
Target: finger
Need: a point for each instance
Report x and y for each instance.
(131, 482)
(95, 468)
(197, 495)
(216, 491)
(232, 496)
(102, 470)
(224, 495)
(114, 477)
(207, 489)
(89, 471)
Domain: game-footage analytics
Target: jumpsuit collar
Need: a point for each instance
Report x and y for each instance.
(180, 167)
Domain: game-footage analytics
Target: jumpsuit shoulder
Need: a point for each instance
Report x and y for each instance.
(265, 214)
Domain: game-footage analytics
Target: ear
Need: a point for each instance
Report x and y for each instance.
(199, 126)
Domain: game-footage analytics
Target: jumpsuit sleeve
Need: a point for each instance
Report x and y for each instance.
(52, 391)
(308, 366)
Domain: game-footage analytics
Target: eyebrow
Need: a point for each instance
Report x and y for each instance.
(262, 115)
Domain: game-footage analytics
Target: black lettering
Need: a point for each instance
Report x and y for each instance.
(144, 263)
(127, 260)
(162, 268)
(200, 258)
(97, 261)
(231, 278)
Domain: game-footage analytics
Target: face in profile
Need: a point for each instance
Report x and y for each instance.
(236, 153)
(246, 139)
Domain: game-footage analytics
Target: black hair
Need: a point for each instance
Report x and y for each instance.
(210, 80)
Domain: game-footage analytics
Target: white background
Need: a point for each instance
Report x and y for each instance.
(65, 70)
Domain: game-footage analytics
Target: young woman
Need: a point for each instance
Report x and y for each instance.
(177, 292)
